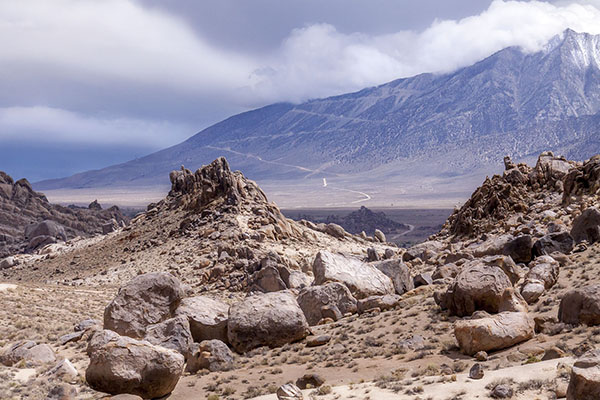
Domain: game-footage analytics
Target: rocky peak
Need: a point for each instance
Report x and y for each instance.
(516, 191)
(214, 182)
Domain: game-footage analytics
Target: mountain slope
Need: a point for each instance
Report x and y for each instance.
(428, 125)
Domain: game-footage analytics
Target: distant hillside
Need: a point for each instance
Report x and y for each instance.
(429, 125)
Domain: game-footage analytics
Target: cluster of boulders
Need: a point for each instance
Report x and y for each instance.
(153, 331)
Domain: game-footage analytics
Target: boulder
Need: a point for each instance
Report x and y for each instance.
(8, 262)
(289, 391)
(476, 371)
(268, 280)
(316, 341)
(314, 299)
(493, 333)
(519, 249)
(399, 273)
(207, 317)
(45, 228)
(64, 370)
(213, 355)
(446, 271)
(120, 364)
(295, 279)
(28, 351)
(587, 226)
(380, 236)
(147, 299)
(386, 302)
(505, 263)
(270, 319)
(561, 242)
(310, 380)
(172, 334)
(62, 391)
(542, 275)
(335, 230)
(424, 251)
(362, 279)
(481, 287)
(585, 377)
(372, 254)
(581, 306)
(422, 279)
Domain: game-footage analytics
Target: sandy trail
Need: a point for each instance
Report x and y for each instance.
(440, 390)
(7, 286)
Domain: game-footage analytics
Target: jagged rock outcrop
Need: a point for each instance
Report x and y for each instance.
(582, 179)
(28, 221)
(501, 197)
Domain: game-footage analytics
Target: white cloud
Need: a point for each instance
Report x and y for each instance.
(114, 39)
(45, 124)
(120, 44)
(318, 60)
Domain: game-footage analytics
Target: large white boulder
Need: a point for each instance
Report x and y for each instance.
(362, 279)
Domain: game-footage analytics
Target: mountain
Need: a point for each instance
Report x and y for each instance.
(431, 125)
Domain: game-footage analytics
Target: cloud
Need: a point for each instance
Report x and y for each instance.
(116, 70)
(52, 125)
(318, 60)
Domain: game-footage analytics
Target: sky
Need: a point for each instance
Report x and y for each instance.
(85, 83)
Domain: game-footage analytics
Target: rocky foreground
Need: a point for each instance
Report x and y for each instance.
(221, 297)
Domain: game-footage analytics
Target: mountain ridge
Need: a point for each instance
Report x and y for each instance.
(511, 102)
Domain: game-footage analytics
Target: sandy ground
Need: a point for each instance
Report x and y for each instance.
(476, 389)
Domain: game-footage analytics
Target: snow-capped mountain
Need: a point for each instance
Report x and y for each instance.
(512, 103)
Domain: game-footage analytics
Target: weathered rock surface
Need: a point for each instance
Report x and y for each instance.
(289, 391)
(587, 226)
(28, 220)
(542, 275)
(493, 333)
(480, 288)
(120, 364)
(362, 279)
(581, 306)
(585, 377)
(270, 319)
(213, 355)
(386, 302)
(561, 242)
(519, 249)
(399, 273)
(207, 317)
(147, 299)
(28, 351)
(313, 299)
(268, 279)
(173, 333)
